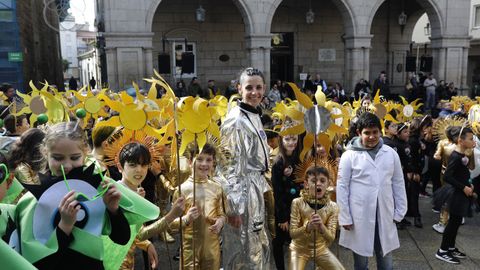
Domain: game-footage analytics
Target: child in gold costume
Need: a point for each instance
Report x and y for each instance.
(307, 226)
(202, 227)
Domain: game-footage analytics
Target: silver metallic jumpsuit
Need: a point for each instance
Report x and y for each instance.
(242, 133)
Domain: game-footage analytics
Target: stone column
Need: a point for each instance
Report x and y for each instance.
(112, 71)
(451, 60)
(259, 46)
(357, 60)
(148, 62)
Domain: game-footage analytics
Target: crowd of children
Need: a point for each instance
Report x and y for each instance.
(86, 198)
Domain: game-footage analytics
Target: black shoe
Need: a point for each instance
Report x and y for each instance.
(457, 253)
(418, 222)
(447, 257)
(406, 222)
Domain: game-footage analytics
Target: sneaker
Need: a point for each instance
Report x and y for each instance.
(457, 253)
(446, 257)
(440, 228)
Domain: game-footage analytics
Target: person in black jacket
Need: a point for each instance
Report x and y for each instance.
(457, 175)
(285, 189)
(410, 172)
(390, 131)
(414, 171)
(433, 167)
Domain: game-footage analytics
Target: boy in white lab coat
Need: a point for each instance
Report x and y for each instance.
(371, 196)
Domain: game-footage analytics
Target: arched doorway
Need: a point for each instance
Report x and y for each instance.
(392, 39)
(216, 46)
(316, 47)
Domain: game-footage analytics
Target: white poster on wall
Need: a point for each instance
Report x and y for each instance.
(326, 55)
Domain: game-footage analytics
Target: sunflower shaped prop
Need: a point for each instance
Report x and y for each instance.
(474, 118)
(408, 111)
(57, 108)
(462, 103)
(195, 118)
(440, 126)
(132, 116)
(34, 103)
(316, 120)
(383, 108)
(220, 104)
(123, 137)
(92, 104)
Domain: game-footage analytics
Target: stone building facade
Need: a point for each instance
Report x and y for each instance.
(40, 41)
(348, 39)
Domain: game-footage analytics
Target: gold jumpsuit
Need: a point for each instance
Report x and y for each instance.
(129, 261)
(302, 245)
(209, 199)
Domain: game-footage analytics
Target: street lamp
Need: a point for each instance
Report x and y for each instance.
(200, 14)
(310, 16)
(427, 30)
(402, 21)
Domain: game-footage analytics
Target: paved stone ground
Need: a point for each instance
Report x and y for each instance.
(417, 251)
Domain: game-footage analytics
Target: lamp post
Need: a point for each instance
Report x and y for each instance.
(200, 14)
(427, 30)
(402, 21)
(310, 16)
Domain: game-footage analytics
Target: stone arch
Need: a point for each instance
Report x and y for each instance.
(431, 8)
(342, 5)
(240, 4)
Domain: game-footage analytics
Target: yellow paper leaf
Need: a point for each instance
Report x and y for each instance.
(187, 138)
(307, 145)
(301, 97)
(295, 130)
(324, 140)
(320, 96)
(201, 141)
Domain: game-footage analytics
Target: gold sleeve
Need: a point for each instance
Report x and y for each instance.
(298, 227)
(143, 245)
(439, 152)
(147, 232)
(331, 226)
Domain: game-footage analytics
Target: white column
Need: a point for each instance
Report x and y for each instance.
(259, 53)
(148, 63)
(357, 59)
(451, 59)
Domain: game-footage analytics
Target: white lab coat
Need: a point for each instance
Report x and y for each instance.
(476, 155)
(362, 182)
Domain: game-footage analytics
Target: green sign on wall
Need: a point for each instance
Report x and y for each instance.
(15, 57)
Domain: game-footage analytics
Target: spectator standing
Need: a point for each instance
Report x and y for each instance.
(274, 95)
(72, 84)
(93, 83)
(181, 90)
(430, 85)
(318, 81)
(381, 83)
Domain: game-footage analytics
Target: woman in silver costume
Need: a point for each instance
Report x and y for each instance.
(246, 245)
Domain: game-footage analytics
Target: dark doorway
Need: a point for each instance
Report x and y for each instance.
(281, 57)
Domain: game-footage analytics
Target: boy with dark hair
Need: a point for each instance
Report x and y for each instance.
(371, 196)
(134, 159)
